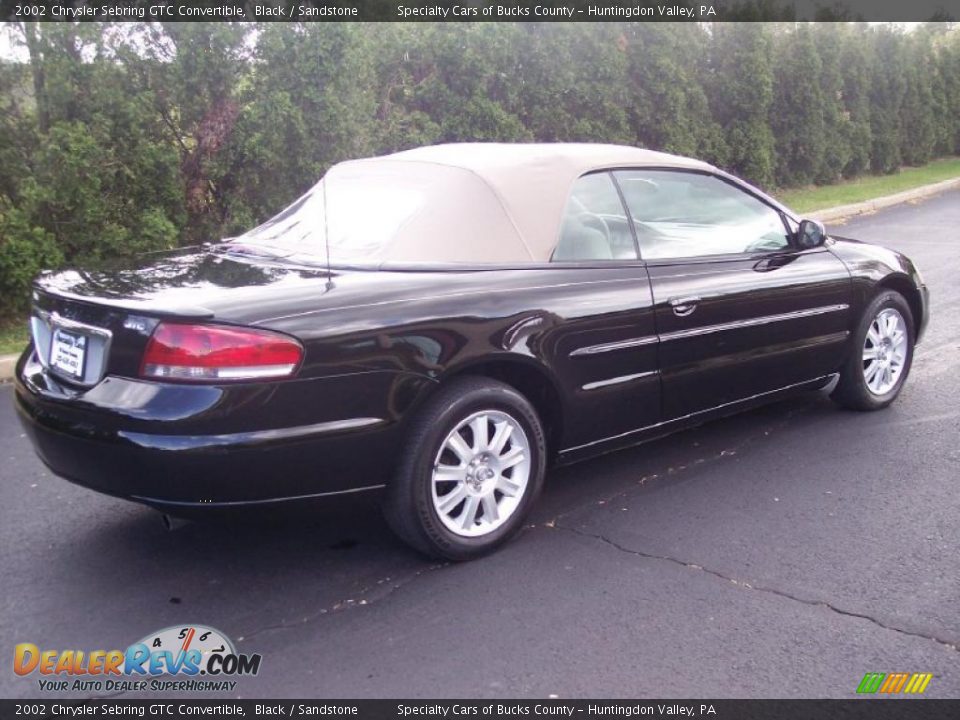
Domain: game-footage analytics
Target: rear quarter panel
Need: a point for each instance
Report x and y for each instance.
(439, 324)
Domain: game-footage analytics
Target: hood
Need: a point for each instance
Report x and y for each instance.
(874, 261)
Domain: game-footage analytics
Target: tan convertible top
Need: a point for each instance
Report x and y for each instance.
(492, 202)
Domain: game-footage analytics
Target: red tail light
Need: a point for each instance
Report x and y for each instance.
(208, 353)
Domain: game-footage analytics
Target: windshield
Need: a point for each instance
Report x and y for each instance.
(371, 212)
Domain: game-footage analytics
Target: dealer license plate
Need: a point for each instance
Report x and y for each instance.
(67, 352)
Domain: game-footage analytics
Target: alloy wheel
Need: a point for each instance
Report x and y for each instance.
(481, 473)
(885, 351)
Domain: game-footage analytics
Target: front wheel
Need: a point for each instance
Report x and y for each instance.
(473, 467)
(881, 355)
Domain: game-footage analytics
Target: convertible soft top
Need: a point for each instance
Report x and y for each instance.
(490, 202)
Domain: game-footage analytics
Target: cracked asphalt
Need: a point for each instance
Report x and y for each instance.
(784, 552)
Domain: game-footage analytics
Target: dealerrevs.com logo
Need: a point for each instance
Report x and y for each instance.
(189, 658)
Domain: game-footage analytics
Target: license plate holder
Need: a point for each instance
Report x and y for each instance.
(68, 353)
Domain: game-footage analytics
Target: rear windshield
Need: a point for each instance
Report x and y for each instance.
(369, 213)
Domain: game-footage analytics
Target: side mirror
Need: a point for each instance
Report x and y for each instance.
(811, 234)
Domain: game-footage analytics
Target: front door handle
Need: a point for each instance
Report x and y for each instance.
(683, 306)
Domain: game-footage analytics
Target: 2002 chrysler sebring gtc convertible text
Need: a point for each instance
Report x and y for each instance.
(440, 324)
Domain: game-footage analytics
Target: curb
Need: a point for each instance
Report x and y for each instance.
(841, 212)
(8, 362)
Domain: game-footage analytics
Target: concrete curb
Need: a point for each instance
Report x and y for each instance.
(8, 362)
(841, 212)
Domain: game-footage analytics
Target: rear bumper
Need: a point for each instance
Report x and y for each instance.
(192, 445)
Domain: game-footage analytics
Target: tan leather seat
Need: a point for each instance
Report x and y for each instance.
(579, 241)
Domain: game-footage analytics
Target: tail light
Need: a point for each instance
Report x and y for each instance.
(209, 353)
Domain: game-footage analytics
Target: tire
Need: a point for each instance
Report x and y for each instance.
(868, 383)
(428, 503)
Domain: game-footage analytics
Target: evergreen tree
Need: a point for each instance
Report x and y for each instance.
(308, 101)
(856, 72)
(741, 95)
(949, 63)
(887, 90)
(797, 112)
(574, 82)
(667, 104)
(830, 40)
(457, 82)
(917, 124)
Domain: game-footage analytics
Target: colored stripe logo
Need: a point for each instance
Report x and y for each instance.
(893, 683)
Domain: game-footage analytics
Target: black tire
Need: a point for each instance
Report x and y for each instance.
(852, 391)
(408, 503)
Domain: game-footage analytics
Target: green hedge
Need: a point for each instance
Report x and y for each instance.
(116, 139)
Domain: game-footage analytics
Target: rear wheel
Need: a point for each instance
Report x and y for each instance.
(473, 468)
(881, 356)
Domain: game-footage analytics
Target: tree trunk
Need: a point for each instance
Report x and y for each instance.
(31, 32)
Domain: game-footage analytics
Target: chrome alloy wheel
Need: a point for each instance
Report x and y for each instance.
(884, 351)
(481, 473)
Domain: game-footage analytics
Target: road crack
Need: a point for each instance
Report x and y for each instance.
(756, 588)
(385, 587)
(368, 596)
(674, 470)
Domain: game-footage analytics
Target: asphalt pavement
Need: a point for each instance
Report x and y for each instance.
(784, 552)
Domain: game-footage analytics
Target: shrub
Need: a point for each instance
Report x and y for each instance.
(25, 250)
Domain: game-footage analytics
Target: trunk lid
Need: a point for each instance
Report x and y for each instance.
(87, 324)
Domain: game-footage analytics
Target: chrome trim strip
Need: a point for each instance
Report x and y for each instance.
(706, 330)
(55, 318)
(694, 414)
(618, 380)
(752, 322)
(235, 503)
(199, 442)
(611, 346)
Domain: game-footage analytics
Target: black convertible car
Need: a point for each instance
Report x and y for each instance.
(442, 324)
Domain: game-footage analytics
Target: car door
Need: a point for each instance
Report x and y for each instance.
(740, 309)
(604, 349)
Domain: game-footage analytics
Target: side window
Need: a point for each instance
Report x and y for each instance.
(594, 225)
(683, 214)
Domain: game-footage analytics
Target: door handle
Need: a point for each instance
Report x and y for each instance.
(684, 306)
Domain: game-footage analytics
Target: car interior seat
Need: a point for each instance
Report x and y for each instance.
(579, 241)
